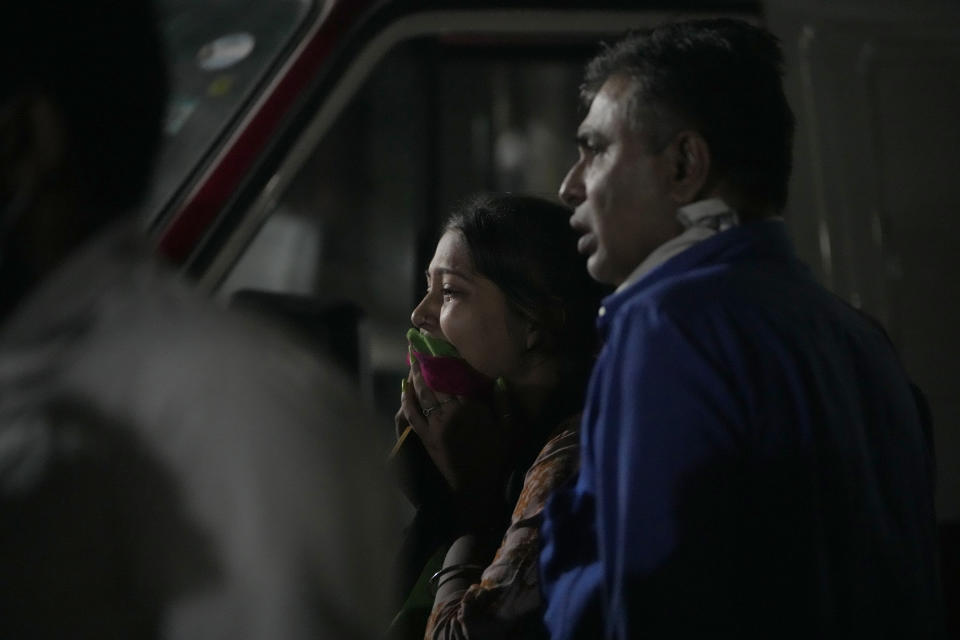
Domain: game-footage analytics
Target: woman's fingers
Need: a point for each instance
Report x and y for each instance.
(400, 421)
(424, 393)
(410, 407)
(431, 402)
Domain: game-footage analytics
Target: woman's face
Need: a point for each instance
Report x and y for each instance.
(469, 311)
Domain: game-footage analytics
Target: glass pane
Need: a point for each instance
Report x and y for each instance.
(434, 122)
(218, 52)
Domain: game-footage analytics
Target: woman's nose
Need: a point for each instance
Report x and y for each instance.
(424, 315)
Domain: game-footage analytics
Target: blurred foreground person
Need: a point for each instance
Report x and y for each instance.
(166, 470)
(755, 460)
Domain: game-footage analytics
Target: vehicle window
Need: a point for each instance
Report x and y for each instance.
(218, 52)
(435, 121)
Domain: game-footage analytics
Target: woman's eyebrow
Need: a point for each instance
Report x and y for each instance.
(446, 270)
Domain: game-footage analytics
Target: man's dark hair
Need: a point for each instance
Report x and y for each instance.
(720, 77)
(525, 246)
(100, 63)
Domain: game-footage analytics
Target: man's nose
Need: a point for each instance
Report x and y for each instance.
(571, 189)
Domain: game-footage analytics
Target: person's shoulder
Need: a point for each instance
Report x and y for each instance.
(557, 461)
(566, 435)
(268, 445)
(139, 342)
(742, 300)
(687, 297)
(165, 346)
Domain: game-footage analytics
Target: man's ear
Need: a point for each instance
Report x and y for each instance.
(691, 163)
(32, 144)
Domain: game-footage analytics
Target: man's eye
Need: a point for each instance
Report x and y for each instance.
(593, 147)
(449, 292)
(590, 150)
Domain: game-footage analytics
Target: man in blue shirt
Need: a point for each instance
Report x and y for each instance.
(755, 459)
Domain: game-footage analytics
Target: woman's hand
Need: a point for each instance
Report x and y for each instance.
(400, 421)
(469, 442)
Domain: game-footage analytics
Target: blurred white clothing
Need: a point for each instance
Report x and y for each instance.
(170, 469)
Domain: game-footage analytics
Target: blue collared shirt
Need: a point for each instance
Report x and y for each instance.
(754, 462)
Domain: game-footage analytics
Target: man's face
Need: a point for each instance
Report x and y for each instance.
(619, 188)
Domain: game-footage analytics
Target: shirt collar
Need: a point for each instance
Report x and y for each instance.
(700, 220)
(765, 239)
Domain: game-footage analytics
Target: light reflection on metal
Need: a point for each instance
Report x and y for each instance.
(826, 253)
(503, 22)
(805, 45)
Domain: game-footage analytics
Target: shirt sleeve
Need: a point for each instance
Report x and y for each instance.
(507, 602)
(664, 436)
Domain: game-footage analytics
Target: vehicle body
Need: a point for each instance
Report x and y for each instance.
(370, 118)
(265, 152)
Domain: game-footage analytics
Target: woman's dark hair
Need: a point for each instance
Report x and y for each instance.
(526, 247)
